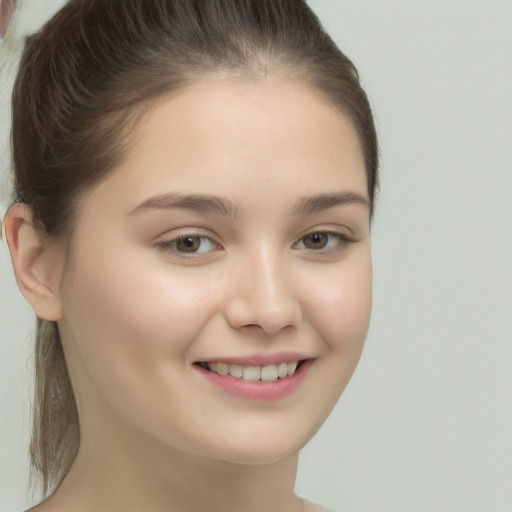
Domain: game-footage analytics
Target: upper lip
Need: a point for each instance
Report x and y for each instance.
(258, 359)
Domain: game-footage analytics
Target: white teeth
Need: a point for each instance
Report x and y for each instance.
(236, 370)
(282, 370)
(252, 373)
(268, 373)
(292, 367)
(222, 368)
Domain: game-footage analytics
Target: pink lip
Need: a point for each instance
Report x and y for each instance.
(259, 390)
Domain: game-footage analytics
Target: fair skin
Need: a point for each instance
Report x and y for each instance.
(277, 271)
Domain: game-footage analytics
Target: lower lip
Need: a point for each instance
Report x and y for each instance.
(258, 390)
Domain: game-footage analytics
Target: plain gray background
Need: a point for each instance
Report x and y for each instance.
(426, 423)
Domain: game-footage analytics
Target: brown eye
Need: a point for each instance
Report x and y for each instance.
(323, 242)
(316, 241)
(188, 244)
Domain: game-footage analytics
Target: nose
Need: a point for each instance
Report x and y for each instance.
(263, 295)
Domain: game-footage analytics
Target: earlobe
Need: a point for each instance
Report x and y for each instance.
(36, 263)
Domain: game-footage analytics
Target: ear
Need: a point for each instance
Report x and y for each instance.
(38, 264)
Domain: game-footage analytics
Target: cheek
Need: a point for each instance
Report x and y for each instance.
(128, 318)
(341, 304)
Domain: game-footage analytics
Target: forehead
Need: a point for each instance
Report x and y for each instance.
(227, 136)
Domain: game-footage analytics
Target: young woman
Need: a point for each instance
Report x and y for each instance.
(194, 187)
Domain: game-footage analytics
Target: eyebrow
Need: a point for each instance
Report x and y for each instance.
(202, 203)
(320, 202)
(208, 203)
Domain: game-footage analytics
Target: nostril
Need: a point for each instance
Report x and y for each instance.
(263, 309)
(253, 327)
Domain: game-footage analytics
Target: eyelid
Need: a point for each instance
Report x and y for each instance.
(345, 239)
(166, 244)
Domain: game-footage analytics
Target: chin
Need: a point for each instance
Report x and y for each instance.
(264, 447)
(259, 455)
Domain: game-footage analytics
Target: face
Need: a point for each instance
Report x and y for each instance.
(233, 239)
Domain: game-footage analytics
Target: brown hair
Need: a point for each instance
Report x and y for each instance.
(84, 81)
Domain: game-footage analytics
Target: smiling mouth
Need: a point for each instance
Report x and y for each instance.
(269, 373)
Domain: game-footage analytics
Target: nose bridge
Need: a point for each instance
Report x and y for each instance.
(270, 285)
(265, 296)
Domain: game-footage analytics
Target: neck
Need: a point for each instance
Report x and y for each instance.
(121, 471)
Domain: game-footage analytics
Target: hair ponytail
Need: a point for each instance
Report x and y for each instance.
(55, 430)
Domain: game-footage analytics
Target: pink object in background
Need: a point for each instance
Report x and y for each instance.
(7, 12)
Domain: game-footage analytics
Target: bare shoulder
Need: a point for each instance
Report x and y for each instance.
(309, 506)
(42, 507)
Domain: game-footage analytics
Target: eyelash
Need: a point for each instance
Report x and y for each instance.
(170, 245)
(343, 241)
